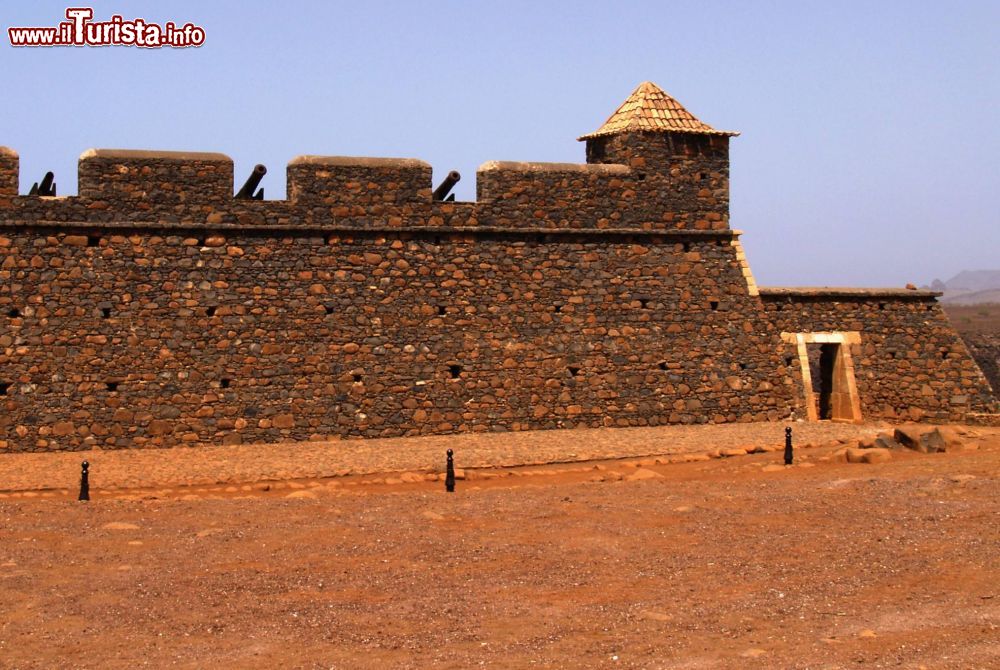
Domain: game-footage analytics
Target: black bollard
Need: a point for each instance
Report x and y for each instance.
(84, 482)
(788, 446)
(449, 478)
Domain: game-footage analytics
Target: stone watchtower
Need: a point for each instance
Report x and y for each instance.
(683, 162)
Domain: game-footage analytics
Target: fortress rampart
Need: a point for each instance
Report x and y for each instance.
(154, 309)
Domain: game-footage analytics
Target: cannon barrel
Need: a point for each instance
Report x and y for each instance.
(251, 184)
(45, 187)
(441, 192)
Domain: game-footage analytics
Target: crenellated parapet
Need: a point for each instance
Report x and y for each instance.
(171, 188)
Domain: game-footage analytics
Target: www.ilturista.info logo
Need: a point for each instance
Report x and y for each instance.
(80, 31)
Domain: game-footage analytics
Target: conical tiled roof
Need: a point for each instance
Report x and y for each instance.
(650, 109)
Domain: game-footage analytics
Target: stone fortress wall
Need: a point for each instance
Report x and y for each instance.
(154, 309)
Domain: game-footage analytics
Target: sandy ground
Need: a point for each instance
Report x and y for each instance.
(638, 563)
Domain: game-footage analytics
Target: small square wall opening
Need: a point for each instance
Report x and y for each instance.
(687, 247)
(4, 388)
(210, 310)
(714, 304)
(328, 308)
(112, 386)
(573, 370)
(105, 312)
(442, 310)
(455, 371)
(13, 312)
(662, 365)
(225, 382)
(356, 378)
(93, 240)
(557, 308)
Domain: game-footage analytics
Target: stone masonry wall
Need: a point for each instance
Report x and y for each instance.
(153, 337)
(910, 365)
(153, 309)
(686, 175)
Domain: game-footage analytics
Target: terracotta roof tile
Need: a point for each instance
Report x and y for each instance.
(650, 109)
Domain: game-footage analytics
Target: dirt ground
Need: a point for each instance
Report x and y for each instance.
(733, 562)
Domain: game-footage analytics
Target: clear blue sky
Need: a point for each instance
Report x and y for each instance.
(869, 153)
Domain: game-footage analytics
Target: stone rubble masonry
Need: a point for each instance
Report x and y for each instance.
(153, 309)
(910, 364)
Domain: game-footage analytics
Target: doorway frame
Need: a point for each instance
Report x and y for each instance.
(843, 368)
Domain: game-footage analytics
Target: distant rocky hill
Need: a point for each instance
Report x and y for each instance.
(969, 287)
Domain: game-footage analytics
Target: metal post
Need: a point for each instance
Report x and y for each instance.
(788, 446)
(84, 482)
(449, 478)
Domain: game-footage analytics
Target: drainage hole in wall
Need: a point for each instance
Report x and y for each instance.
(714, 304)
(662, 365)
(112, 386)
(93, 241)
(644, 303)
(788, 360)
(357, 379)
(4, 386)
(881, 305)
(743, 366)
(210, 310)
(442, 310)
(328, 308)
(14, 312)
(455, 371)
(573, 370)
(225, 382)
(557, 309)
(105, 312)
(687, 247)
(944, 354)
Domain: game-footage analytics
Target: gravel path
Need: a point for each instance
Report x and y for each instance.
(151, 468)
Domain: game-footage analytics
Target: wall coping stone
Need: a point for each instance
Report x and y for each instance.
(312, 231)
(515, 166)
(359, 161)
(844, 291)
(8, 152)
(142, 154)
